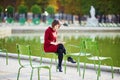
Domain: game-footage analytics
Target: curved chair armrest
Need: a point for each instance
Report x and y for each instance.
(71, 45)
(4, 50)
(37, 49)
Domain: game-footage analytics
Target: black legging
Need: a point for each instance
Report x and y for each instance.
(60, 52)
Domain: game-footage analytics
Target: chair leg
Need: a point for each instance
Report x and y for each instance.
(56, 64)
(5, 51)
(31, 73)
(41, 60)
(65, 65)
(112, 69)
(78, 69)
(6, 58)
(51, 63)
(95, 66)
(84, 70)
(38, 74)
(77, 65)
(19, 73)
(99, 71)
(49, 73)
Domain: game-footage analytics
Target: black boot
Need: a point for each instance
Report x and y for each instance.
(70, 60)
(59, 68)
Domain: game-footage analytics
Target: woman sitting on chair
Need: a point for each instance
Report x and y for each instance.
(51, 44)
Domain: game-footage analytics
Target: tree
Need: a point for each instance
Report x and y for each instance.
(1, 10)
(86, 4)
(43, 4)
(22, 9)
(51, 11)
(107, 6)
(30, 3)
(10, 11)
(115, 6)
(71, 7)
(54, 4)
(36, 10)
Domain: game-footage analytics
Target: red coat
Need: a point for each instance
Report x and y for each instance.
(50, 36)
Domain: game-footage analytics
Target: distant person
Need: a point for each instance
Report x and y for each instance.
(52, 45)
(5, 18)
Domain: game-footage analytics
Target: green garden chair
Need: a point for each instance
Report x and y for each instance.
(78, 55)
(36, 21)
(3, 50)
(25, 49)
(51, 55)
(92, 47)
(22, 21)
(9, 20)
(49, 21)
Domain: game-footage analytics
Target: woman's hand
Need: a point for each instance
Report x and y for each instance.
(54, 43)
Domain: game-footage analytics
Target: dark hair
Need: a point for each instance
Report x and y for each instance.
(55, 22)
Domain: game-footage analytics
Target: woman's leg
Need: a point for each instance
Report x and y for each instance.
(60, 52)
(70, 60)
(61, 46)
(60, 58)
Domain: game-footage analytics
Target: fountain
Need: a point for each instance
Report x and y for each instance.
(92, 21)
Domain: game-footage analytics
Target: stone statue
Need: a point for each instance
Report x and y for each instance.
(92, 12)
(92, 21)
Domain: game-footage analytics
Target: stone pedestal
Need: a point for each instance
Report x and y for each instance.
(92, 22)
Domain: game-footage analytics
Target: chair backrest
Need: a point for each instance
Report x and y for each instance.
(82, 43)
(9, 20)
(50, 20)
(42, 44)
(2, 43)
(92, 47)
(25, 50)
(42, 47)
(22, 21)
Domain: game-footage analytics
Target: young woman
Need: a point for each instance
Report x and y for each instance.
(52, 45)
